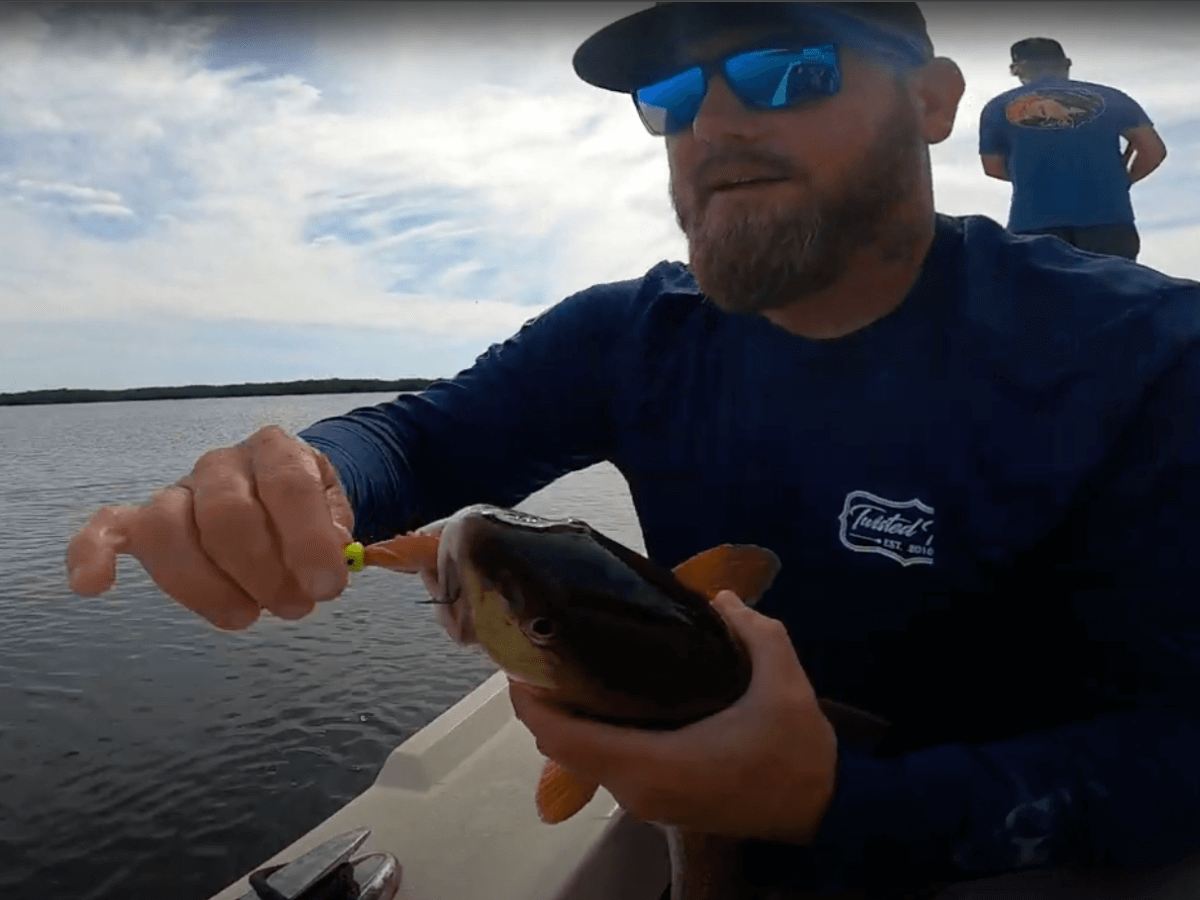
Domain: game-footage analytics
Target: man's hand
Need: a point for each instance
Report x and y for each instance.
(763, 768)
(261, 525)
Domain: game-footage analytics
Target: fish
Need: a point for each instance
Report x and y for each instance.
(605, 633)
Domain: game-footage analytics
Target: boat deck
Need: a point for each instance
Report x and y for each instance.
(454, 804)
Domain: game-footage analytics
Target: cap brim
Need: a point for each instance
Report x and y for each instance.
(652, 44)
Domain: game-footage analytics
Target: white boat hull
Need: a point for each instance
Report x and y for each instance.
(454, 804)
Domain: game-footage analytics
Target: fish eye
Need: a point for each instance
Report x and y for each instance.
(541, 629)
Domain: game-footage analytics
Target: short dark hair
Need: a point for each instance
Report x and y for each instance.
(1039, 49)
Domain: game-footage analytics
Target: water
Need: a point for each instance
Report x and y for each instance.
(144, 753)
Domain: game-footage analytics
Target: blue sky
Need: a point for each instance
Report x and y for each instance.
(252, 192)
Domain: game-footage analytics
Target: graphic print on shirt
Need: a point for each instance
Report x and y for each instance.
(902, 531)
(1055, 108)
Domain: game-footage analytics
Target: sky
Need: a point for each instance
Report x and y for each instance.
(222, 193)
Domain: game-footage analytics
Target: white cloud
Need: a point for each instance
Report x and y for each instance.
(67, 191)
(430, 170)
(111, 210)
(249, 163)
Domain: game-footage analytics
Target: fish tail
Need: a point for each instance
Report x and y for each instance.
(560, 794)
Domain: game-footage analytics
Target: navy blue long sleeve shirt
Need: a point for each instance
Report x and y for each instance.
(987, 506)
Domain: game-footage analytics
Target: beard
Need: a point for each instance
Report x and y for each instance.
(771, 256)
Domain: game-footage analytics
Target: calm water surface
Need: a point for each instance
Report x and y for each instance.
(144, 753)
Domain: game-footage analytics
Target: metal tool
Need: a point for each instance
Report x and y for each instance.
(328, 873)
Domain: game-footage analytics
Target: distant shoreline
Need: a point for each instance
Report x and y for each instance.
(196, 391)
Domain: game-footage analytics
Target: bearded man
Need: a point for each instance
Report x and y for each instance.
(976, 454)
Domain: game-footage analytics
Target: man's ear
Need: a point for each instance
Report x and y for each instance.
(939, 86)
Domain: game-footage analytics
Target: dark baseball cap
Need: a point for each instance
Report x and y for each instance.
(1037, 49)
(650, 45)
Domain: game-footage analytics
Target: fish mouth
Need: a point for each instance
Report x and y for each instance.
(457, 589)
(455, 611)
(473, 612)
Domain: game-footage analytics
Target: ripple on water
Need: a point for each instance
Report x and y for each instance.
(143, 752)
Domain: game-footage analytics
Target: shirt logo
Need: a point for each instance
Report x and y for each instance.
(1055, 108)
(899, 531)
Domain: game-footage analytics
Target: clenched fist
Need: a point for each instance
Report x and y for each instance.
(261, 525)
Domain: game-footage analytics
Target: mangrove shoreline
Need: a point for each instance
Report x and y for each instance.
(196, 391)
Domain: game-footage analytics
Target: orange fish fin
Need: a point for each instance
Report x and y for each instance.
(404, 553)
(745, 569)
(560, 794)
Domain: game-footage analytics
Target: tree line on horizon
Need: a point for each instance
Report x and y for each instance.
(196, 391)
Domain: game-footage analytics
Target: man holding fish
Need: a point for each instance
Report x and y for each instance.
(842, 376)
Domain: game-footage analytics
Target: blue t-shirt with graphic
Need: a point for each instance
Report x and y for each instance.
(1061, 142)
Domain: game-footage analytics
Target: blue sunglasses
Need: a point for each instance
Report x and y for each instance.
(760, 79)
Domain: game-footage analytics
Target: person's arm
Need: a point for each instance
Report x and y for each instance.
(995, 166)
(993, 142)
(1144, 153)
(262, 525)
(1144, 148)
(528, 411)
(1122, 790)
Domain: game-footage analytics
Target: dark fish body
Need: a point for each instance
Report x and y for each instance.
(608, 634)
(623, 639)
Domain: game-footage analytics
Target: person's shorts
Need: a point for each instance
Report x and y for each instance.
(1111, 240)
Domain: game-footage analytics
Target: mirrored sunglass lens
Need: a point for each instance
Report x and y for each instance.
(671, 105)
(775, 79)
